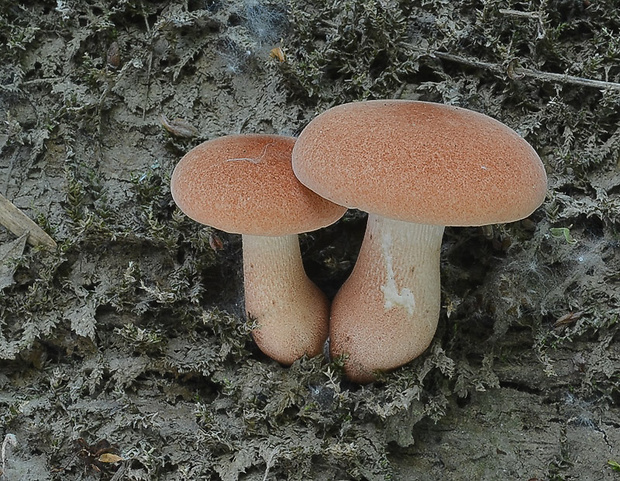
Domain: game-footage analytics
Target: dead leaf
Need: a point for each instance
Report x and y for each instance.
(110, 458)
(19, 223)
(568, 319)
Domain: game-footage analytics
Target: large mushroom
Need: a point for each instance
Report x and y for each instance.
(244, 184)
(415, 167)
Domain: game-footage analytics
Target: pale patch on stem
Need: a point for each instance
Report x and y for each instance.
(391, 294)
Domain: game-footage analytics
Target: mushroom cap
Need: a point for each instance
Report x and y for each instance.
(420, 162)
(244, 184)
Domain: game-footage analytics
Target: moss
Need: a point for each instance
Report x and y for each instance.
(349, 50)
(134, 331)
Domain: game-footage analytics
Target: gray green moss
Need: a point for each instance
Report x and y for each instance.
(133, 330)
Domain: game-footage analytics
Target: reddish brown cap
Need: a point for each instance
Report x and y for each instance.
(420, 162)
(244, 184)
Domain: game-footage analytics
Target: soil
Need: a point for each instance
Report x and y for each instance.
(125, 353)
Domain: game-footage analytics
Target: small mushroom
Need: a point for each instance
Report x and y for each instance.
(244, 184)
(415, 167)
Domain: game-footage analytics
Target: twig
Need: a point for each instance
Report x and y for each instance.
(530, 16)
(19, 223)
(518, 13)
(527, 72)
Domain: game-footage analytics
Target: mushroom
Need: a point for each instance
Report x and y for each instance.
(244, 184)
(415, 167)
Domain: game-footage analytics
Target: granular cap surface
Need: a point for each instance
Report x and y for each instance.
(420, 162)
(244, 184)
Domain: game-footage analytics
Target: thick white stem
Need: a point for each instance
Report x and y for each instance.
(386, 313)
(291, 311)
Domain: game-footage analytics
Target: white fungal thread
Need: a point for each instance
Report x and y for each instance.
(393, 297)
(256, 160)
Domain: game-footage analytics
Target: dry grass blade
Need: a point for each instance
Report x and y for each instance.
(19, 223)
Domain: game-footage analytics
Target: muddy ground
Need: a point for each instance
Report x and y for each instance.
(124, 353)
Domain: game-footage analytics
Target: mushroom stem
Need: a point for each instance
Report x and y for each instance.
(386, 313)
(291, 311)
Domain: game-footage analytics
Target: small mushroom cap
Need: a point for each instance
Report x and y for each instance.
(420, 162)
(244, 184)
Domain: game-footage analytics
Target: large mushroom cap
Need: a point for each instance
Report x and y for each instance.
(244, 184)
(420, 162)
